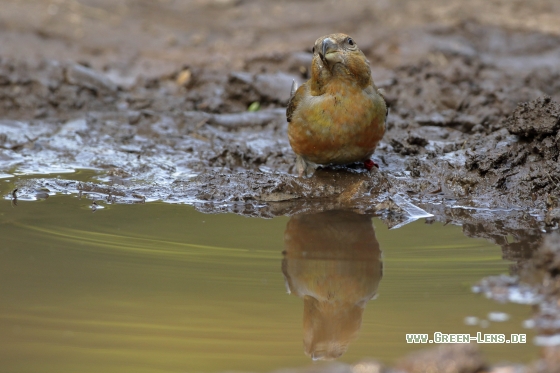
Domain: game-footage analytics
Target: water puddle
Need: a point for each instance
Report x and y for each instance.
(160, 287)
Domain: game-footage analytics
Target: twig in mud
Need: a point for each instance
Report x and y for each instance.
(13, 202)
(383, 160)
(436, 191)
(195, 133)
(199, 137)
(20, 145)
(142, 198)
(551, 179)
(201, 123)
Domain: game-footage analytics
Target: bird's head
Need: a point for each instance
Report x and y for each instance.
(339, 55)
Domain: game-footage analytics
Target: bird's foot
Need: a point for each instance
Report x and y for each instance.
(305, 169)
(369, 164)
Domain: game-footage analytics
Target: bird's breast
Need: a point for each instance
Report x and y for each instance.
(341, 126)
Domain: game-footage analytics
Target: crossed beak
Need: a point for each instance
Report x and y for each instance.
(328, 51)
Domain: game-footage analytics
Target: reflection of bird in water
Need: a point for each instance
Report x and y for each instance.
(331, 260)
(338, 116)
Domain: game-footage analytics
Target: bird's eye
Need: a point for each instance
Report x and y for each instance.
(350, 41)
(313, 51)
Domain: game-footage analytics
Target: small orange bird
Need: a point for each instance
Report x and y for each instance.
(338, 116)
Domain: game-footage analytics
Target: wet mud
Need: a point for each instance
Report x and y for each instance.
(535, 281)
(193, 111)
(461, 130)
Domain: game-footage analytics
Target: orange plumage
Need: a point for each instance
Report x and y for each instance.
(337, 116)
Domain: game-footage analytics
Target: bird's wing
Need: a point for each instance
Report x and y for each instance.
(294, 100)
(381, 92)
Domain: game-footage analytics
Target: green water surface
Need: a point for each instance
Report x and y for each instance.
(163, 288)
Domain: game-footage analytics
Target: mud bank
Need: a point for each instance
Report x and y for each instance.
(535, 281)
(455, 138)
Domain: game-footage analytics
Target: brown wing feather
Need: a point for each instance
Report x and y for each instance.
(294, 101)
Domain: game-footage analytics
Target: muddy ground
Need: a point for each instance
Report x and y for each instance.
(184, 101)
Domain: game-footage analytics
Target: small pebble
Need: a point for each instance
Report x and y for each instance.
(498, 316)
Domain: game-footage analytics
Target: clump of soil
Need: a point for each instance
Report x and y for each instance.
(537, 281)
(543, 273)
(48, 88)
(445, 359)
(528, 164)
(538, 120)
